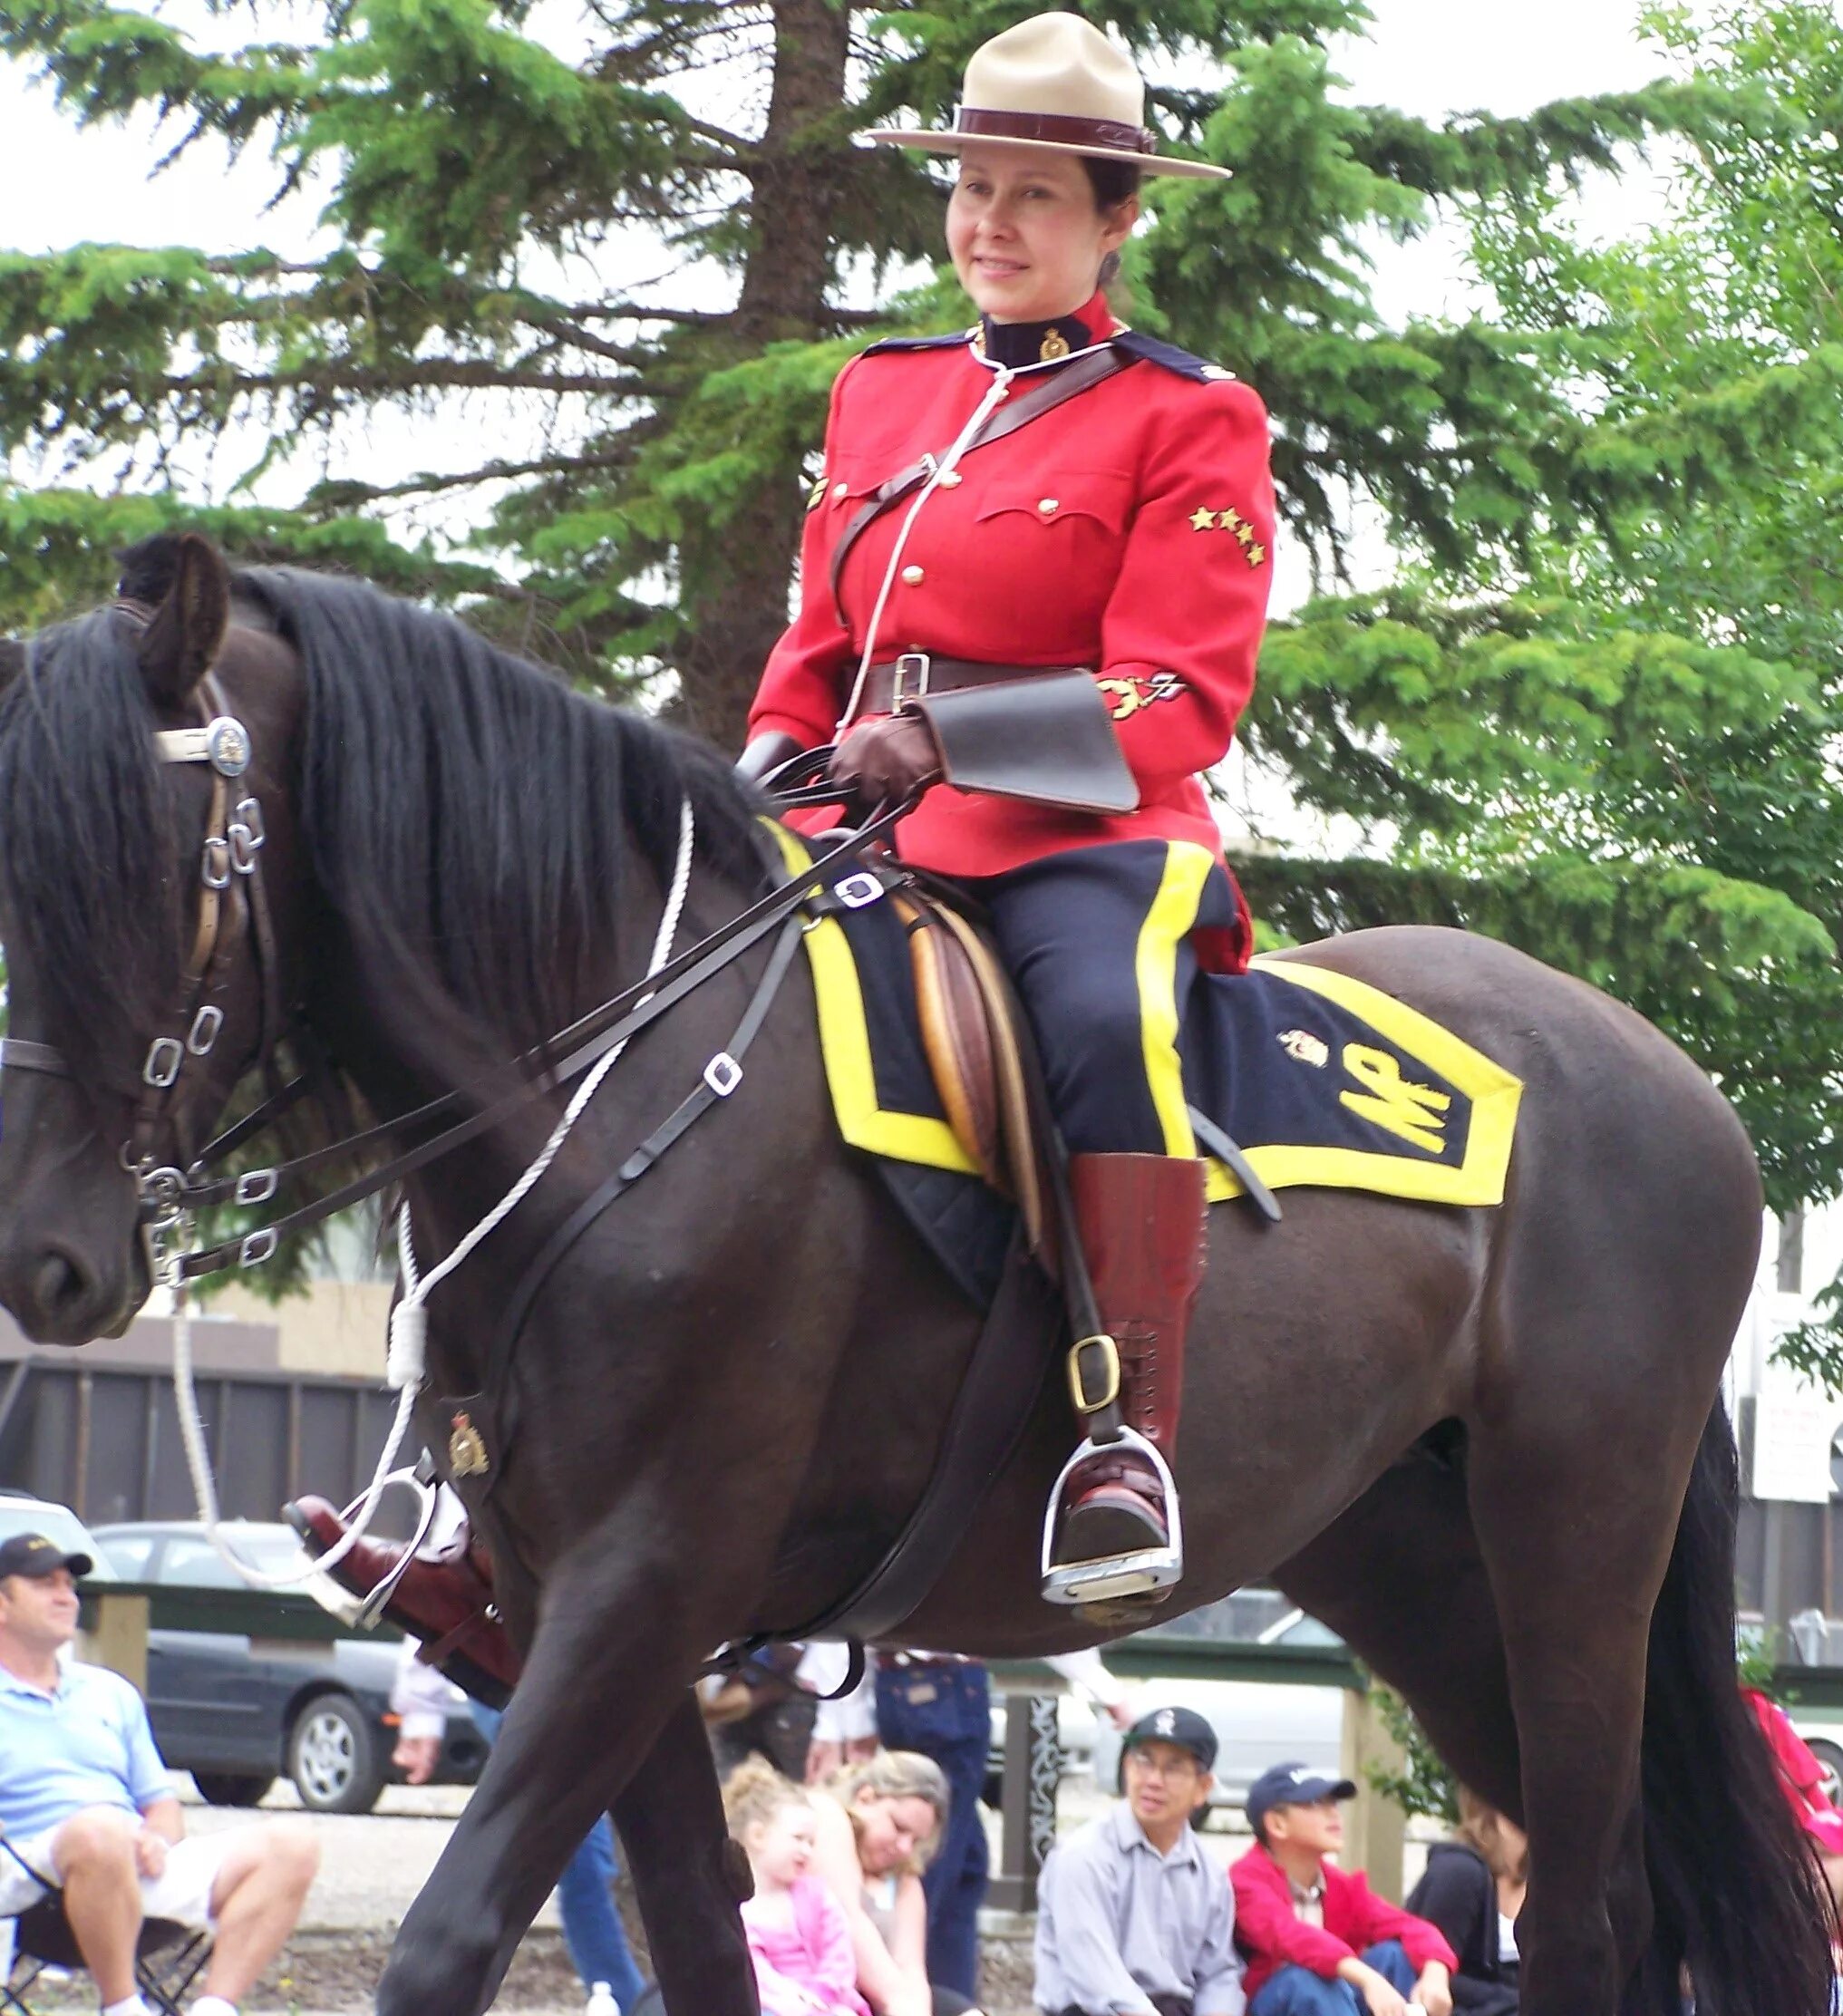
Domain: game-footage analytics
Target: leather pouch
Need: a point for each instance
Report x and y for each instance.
(1047, 740)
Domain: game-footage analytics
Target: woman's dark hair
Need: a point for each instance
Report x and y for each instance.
(1112, 182)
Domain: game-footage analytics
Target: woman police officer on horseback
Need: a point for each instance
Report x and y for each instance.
(1046, 530)
(1124, 528)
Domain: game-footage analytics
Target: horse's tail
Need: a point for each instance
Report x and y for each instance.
(1738, 1893)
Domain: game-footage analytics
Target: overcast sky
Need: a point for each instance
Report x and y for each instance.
(1430, 56)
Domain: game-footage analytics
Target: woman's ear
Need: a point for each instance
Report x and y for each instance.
(1119, 221)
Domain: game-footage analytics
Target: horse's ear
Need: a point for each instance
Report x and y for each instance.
(11, 660)
(179, 644)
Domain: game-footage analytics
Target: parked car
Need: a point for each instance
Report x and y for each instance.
(237, 1712)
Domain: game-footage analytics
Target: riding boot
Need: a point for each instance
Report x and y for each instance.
(1143, 1224)
(444, 1598)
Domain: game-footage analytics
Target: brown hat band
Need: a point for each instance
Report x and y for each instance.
(1058, 129)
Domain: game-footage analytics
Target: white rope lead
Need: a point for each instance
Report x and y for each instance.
(408, 1320)
(205, 1488)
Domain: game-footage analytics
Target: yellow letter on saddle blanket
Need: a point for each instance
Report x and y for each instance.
(1407, 1110)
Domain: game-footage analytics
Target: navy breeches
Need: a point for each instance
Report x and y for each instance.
(1097, 941)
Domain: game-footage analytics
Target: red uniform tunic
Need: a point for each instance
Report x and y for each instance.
(1129, 529)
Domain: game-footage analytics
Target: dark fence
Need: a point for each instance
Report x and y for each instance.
(104, 1439)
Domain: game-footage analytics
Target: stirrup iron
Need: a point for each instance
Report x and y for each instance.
(1139, 1573)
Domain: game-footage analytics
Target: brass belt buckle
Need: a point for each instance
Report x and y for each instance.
(1108, 1353)
(916, 663)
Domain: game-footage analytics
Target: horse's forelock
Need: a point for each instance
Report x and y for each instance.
(88, 849)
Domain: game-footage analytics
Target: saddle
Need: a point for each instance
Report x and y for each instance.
(974, 1038)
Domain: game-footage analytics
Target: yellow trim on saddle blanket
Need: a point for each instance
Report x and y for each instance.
(845, 1044)
(1396, 1104)
(1374, 1087)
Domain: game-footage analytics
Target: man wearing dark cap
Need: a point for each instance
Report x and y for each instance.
(1318, 1942)
(85, 1802)
(1132, 1919)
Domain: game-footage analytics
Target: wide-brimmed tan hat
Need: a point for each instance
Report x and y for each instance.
(1056, 84)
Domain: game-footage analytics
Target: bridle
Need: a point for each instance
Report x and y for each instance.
(231, 894)
(230, 878)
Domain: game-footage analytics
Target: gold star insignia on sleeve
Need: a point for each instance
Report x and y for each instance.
(1202, 520)
(1256, 554)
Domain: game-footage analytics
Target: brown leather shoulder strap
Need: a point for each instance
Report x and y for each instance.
(1047, 393)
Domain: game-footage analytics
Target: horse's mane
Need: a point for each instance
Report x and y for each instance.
(444, 783)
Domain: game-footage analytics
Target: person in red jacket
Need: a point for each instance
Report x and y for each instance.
(1802, 1778)
(1033, 579)
(1318, 1942)
(999, 569)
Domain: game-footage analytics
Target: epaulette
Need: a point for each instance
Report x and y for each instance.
(1137, 345)
(957, 338)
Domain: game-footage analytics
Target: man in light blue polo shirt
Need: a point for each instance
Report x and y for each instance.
(85, 1803)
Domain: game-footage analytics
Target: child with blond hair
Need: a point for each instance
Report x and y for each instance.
(797, 1936)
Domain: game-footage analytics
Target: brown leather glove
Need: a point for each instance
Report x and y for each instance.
(886, 760)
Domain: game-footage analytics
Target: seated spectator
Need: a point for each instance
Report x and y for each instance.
(86, 1802)
(764, 1709)
(844, 1728)
(1132, 1918)
(878, 1821)
(1472, 1890)
(1318, 1942)
(1802, 1779)
(798, 1937)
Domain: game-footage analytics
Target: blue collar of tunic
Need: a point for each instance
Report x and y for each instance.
(1017, 344)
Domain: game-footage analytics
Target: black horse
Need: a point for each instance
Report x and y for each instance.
(1483, 1445)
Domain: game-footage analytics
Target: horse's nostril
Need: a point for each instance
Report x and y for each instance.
(55, 1282)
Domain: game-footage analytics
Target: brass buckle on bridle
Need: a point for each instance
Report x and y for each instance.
(1107, 1352)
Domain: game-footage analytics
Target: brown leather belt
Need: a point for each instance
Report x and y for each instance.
(916, 672)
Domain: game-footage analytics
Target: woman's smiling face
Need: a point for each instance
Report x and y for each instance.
(1024, 233)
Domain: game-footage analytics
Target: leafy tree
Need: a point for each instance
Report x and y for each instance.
(1553, 726)
(1720, 334)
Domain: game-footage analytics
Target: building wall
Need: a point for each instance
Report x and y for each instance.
(1791, 1543)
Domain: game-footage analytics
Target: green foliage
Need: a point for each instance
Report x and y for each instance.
(1423, 1786)
(1598, 712)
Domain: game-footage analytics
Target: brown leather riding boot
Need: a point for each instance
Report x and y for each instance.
(444, 1599)
(1144, 1226)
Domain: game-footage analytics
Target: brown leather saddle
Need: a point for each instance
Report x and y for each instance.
(977, 1046)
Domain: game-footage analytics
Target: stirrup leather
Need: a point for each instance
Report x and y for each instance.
(1136, 1574)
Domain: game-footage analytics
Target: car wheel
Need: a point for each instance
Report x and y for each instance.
(333, 1757)
(232, 1787)
(1830, 1759)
